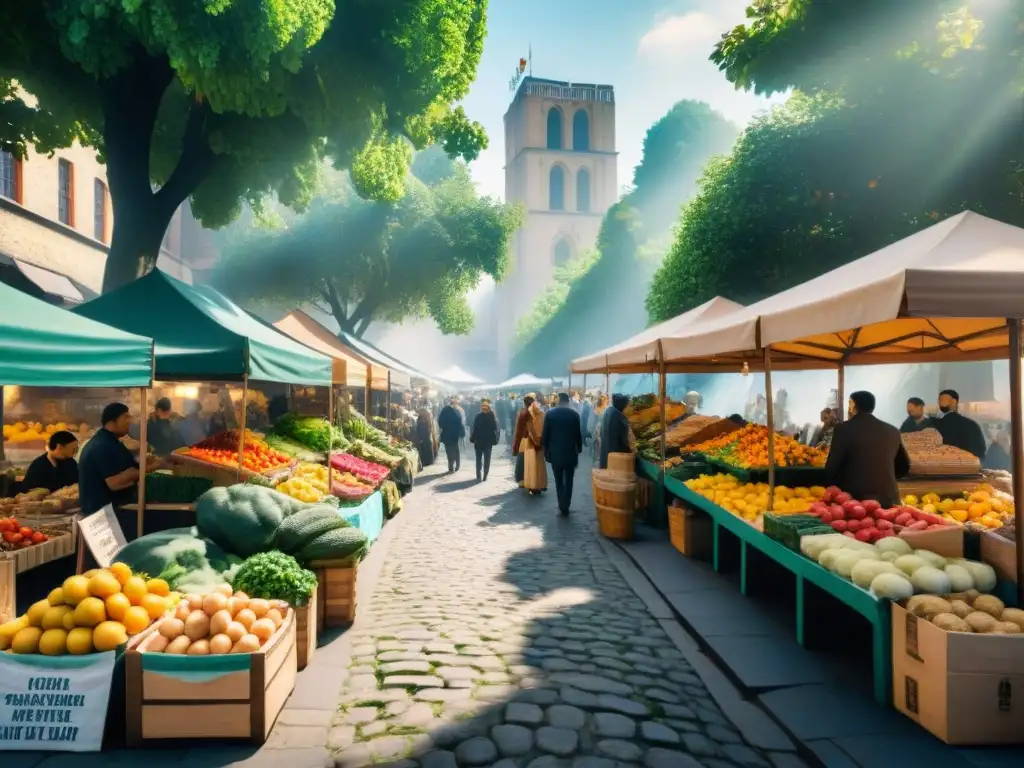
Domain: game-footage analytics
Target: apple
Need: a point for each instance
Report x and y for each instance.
(818, 508)
(853, 525)
(831, 492)
(843, 497)
(838, 513)
(839, 525)
(884, 525)
(826, 517)
(871, 506)
(858, 512)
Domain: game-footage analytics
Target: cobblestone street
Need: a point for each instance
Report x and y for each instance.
(500, 634)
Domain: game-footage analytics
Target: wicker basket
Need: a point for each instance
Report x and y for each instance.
(615, 523)
(622, 463)
(613, 490)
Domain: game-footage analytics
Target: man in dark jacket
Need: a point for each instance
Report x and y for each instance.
(562, 440)
(916, 417)
(867, 455)
(957, 430)
(453, 430)
(614, 429)
(483, 434)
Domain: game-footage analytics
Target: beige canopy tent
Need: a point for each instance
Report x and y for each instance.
(349, 368)
(639, 352)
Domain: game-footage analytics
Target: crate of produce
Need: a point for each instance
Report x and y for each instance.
(222, 696)
(337, 581)
(58, 544)
(688, 470)
(164, 488)
(690, 531)
(306, 631)
(788, 529)
(697, 429)
(999, 549)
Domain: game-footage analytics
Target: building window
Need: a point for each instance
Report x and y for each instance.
(581, 131)
(554, 128)
(99, 210)
(66, 192)
(10, 177)
(556, 188)
(563, 252)
(583, 190)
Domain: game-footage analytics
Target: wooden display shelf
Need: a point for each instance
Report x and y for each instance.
(159, 507)
(306, 630)
(337, 581)
(40, 554)
(233, 696)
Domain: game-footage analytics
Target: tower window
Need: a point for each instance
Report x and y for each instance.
(563, 252)
(66, 192)
(10, 177)
(556, 188)
(554, 128)
(583, 190)
(581, 131)
(99, 210)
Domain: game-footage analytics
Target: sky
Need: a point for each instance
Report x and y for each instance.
(654, 52)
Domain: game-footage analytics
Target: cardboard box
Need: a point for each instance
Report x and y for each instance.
(689, 530)
(964, 688)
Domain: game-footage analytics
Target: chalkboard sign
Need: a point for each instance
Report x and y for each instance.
(102, 532)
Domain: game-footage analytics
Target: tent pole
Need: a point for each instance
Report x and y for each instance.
(389, 402)
(841, 391)
(241, 426)
(662, 397)
(368, 394)
(1017, 448)
(770, 421)
(330, 438)
(584, 385)
(140, 513)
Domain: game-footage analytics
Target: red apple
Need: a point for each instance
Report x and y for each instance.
(818, 508)
(839, 525)
(853, 525)
(858, 512)
(838, 513)
(843, 497)
(831, 492)
(871, 506)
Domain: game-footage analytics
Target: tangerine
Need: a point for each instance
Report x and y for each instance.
(158, 587)
(75, 589)
(135, 619)
(116, 606)
(155, 606)
(79, 641)
(135, 589)
(121, 571)
(56, 596)
(103, 585)
(108, 635)
(90, 612)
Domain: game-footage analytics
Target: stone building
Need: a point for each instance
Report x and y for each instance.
(560, 165)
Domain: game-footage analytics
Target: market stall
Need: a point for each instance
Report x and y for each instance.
(948, 293)
(201, 336)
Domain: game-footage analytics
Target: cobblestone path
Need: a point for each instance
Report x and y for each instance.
(501, 635)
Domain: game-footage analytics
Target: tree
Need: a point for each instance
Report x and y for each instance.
(227, 103)
(873, 150)
(566, 323)
(364, 260)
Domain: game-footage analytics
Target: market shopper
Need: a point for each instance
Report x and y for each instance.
(562, 440)
(56, 468)
(426, 442)
(958, 430)
(452, 423)
(484, 436)
(867, 455)
(519, 435)
(615, 429)
(823, 433)
(916, 419)
(535, 470)
(107, 471)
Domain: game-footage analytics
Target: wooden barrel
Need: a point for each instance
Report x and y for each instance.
(623, 463)
(615, 523)
(614, 490)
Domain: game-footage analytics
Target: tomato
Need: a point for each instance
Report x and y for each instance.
(38, 537)
(25, 531)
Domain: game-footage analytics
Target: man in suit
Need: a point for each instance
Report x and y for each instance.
(867, 455)
(562, 440)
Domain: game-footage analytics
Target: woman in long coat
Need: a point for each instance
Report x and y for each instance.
(522, 419)
(535, 469)
(426, 440)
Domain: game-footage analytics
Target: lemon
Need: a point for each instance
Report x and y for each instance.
(54, 642)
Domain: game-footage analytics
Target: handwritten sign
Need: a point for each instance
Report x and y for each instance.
(59, 705)
(102, 532)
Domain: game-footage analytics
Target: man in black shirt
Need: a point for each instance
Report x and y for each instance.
(56, 468)
(956, 430)
(108, 473)
(162, 432)
(916, 419)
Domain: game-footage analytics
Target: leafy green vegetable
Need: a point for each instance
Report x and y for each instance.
(312, 432)
(275, 576)
(293, 448)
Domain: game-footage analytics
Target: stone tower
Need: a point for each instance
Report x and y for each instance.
(560, 166)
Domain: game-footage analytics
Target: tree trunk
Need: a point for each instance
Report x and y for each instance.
(139, 227)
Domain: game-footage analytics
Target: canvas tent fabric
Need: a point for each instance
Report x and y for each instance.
(401, 374)
(641, 350)
(347, 369)
(940, 295)
(455, 375)
(201, 334)
(524, 380)
(46, 346)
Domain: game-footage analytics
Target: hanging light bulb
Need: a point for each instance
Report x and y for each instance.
(746, 370)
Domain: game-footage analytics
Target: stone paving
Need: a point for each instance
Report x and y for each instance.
(501, 635)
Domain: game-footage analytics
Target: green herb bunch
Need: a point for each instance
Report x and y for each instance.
(275, 576)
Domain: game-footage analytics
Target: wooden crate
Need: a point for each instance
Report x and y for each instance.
(190, 466)
(54, 548)
(306, 630)
(689, 531)
(336, 591)
(1001, 554)
(232, 696)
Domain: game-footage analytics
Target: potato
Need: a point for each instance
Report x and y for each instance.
(951, 623)
(178, 645)
(1016, 615)
(275, 616)
(220, 644)
(195, 602)
(981, 621)
(171, 628)
(223, 589)
(248, 644)
(199, 648)
(263, 629)
(219, 622)
(197, 626)
(245, 617)
(259, 607)
(961, 609)
(1004, 628)
(213, 603)
(928, 606)
(182, 610)
(157, 644)
(235, 631)
(990, 604)
(971, 595)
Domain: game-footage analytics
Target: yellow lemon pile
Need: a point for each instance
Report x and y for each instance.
(748, 500)
(308, 483)
(94, 612)
(982, 505)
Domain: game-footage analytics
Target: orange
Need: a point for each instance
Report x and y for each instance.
(56, 596)
(69, 620)
(75, 589)
(135, 589)
(103, 585)
(90, 612)
(135, 620)
(36, 613)
(121, 571)
(116, 606)
(108, 635)
(158, 587)
(54, 618)
(155, 606)
(79, 641)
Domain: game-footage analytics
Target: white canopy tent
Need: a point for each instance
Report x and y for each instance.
(457, 376)
(524, 380)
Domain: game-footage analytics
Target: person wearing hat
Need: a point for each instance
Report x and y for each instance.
(107, 471)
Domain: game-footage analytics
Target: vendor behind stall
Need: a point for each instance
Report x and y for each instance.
(917, 419)
(957, 430)
(162, 429)
(867, 455)
(56, 468)
(107, 471)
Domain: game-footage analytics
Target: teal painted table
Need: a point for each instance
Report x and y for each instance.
(656, 514)
(368, 517)
(876, 611)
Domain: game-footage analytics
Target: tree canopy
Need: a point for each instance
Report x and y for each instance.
(365, 261)
(573, 319)
(228, 103)
(887, 136)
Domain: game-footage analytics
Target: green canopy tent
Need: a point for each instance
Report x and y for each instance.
(201, 335)
(46, 346)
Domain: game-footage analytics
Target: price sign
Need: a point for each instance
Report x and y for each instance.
(102, 532)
